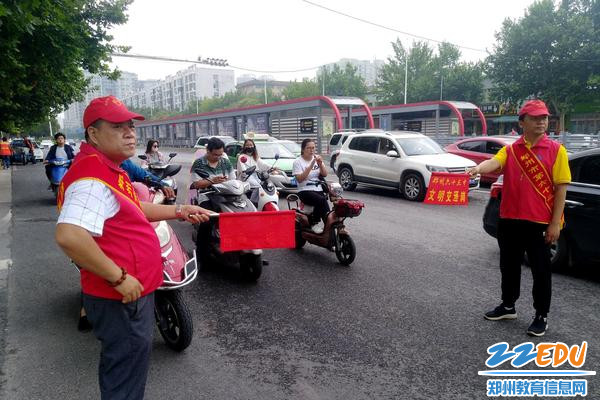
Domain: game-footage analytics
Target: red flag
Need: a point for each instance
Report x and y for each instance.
(448, 189)
(257, 230)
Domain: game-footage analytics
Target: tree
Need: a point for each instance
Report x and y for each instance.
(551, 53)
(429, 75)
(341, 82)
(42, 129)
(45, 47)
(306, 88)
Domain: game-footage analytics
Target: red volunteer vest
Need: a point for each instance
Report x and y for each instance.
(520, 199)
(127, 238)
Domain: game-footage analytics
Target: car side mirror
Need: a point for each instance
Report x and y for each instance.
(142, 157)
(392, 153)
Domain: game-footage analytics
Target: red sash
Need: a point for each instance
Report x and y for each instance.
(536, 174)
(91, 166)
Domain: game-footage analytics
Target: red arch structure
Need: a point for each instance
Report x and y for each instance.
(452, 105)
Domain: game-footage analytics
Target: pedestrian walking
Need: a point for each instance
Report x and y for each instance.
(105, 230)
(5, 153)
(536, 175)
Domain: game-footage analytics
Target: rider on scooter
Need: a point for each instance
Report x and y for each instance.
(307, 169)
(59, 150)
(249, 158)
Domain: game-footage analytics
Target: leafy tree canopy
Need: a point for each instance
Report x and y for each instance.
(426, 70)
(45, 46)
(552, 53)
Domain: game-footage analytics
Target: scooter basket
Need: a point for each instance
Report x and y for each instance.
(347, 208)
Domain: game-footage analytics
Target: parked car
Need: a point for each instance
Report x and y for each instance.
(20, 151)
(46, 143)
(293, 147)
(267, 152)
(336, 142)
(38, 153)
(398, 160)
(580, 237)
(479, 149)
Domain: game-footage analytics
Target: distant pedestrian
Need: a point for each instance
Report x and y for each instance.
(5, 152)
(536, 175)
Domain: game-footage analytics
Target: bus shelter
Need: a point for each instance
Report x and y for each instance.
(433, 118)
(312, 117)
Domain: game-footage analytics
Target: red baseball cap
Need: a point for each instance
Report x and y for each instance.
(535, 108)
(109, 109)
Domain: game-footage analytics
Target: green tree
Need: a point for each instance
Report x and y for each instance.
(306, 88)
(45, 46)
(551, 53)
(338, 81)
(42, 129)
(430, 75)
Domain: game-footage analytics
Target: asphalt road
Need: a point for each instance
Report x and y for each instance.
(403, 322)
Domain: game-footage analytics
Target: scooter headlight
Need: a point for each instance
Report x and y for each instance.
(162, 231)
(335, 189)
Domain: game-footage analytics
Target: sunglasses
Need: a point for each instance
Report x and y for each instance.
(155, 146)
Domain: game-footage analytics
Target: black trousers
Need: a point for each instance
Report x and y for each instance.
(318, 200)
(516, 237)
(125, 331)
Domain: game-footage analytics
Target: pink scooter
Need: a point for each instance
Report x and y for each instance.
(172, 314)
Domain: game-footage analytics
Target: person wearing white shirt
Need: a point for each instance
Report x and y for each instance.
(307, 168)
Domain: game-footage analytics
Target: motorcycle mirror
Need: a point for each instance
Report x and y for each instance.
(172, 155)
(276, 156)
(142, 157)
(203, 174)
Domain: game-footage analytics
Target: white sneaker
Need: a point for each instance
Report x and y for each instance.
(318, 228)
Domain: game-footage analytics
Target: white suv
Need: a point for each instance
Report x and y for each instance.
(399, 160)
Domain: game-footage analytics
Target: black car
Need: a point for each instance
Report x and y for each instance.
(580, 238)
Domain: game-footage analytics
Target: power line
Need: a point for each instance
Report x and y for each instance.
(388, 28)
(225, 64)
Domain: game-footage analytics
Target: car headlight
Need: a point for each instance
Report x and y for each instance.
(162, 231)
(433, 168)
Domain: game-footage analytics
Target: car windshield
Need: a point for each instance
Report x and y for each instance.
(419, 146)
(292, 146)
(269, 149)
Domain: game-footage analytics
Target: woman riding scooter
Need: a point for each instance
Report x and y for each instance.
(249, 158)
(59, 150)
(307, 168)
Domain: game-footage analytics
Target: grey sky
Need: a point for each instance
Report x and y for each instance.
(292, 34)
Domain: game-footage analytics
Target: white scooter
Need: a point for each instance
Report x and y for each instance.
(264, 196)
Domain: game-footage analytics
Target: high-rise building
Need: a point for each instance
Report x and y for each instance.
(368, 70)
(99, 86)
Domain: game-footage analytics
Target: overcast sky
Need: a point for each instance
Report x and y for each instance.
(282, 35)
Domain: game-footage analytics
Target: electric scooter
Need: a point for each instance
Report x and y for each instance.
(264, 196)
(173, 317)
(226, 197)
(163, 170)
(335, 236)
(58, 169)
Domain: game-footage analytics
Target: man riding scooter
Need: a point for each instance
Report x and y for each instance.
(59, 150)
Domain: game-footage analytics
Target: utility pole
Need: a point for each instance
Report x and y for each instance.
(265, 80)
(442, 85)
(405, 78)
(50, 125)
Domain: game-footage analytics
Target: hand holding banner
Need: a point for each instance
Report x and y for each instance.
(448, 189)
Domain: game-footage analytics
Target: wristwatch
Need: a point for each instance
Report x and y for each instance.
(178, 212)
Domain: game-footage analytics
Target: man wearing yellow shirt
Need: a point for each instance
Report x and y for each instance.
(536, 176)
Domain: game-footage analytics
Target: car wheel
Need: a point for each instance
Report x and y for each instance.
(413, 187)
(347, 179)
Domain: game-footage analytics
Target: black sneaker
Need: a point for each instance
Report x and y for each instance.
(501, 312)
(538, 326)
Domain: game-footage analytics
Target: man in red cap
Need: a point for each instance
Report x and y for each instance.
(536, 175)
(105, 230)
